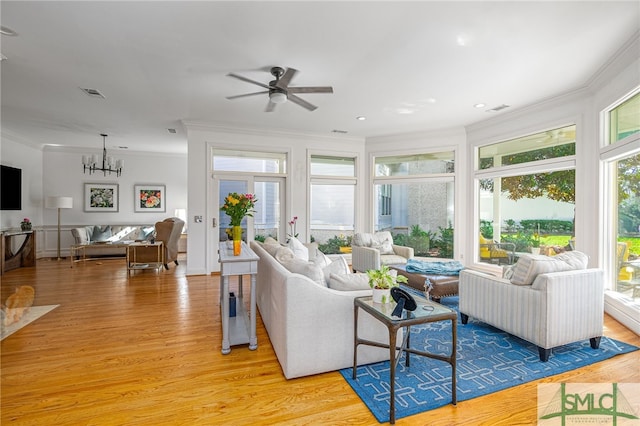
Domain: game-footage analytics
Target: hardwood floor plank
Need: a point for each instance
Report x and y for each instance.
(146, 350)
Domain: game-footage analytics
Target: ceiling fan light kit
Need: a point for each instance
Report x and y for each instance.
(279, 90)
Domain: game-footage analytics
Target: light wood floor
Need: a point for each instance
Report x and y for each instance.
(145, 350)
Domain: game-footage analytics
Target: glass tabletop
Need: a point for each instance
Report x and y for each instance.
(426, 308)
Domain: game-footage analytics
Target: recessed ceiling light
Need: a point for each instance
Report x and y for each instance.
(8, 31)
(480, 105)
(2, 57)
(361, 118)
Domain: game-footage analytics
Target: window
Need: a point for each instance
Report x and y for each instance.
(249, 161)
(620, 154)
(414, 200)
(526, 190)
(624, 119)
(332, 200)
(414, 165)
(554, 143)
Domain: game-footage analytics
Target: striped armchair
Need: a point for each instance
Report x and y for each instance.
(556, 309)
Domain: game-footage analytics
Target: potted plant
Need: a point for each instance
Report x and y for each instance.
(381, 281)
(535, 244)
(25, 225)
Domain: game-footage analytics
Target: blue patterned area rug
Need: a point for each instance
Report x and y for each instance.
(488, 360)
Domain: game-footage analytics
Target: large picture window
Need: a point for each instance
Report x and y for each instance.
(332, 201)
(414, 200)
(526, 190)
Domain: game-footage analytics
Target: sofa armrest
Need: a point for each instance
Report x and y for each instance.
(406, 252)
(81, 235)
(364, 258)
(569, 295)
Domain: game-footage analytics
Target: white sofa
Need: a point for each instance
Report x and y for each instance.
(548, 309)
(111, 233)
(310, 326)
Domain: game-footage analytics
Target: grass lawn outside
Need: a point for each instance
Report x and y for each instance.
(563, 240)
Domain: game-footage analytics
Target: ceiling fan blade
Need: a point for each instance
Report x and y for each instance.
(301, 102)
(248, 80)
(247, 94)
(270, 107)
(284, 81)
(320, 89)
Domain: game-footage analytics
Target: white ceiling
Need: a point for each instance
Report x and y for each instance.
(406, 66)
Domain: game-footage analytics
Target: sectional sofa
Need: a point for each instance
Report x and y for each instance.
(310, 325)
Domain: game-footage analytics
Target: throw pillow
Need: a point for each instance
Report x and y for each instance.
(507, 272)
(101, 234)
(338, 266)
(320, 259)
(576, 259)
(298, 249)
(271, 247)
(146, 233)
(270, 240)
(349, 282)
(383, 242)
(284, 254)
(308, 269)
(528, 267)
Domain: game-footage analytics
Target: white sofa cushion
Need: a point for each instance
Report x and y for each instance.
(338, 266)
(101, 233)
(298, 249)
(308, 269)
(529, 266)
(349, 282)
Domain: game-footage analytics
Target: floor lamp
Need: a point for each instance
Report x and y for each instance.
(59, 203)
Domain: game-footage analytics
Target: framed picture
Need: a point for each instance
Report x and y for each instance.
(101, 197)
(149, 198)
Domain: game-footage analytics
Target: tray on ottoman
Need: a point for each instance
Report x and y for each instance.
(443, 285)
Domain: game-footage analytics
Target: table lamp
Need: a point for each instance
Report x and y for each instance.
(58, 202)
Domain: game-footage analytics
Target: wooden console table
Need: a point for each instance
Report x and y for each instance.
(235, 330)
(24, 256)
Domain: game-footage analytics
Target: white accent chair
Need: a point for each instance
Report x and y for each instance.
(370, 251)
(547, 309)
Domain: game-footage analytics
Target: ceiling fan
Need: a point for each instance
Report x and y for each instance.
(279, 90)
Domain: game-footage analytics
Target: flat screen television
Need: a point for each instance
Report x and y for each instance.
(10, 188)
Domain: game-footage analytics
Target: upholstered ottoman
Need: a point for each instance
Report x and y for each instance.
(443, 285)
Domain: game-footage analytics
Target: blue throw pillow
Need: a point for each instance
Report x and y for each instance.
(146, 233)
(101, 234)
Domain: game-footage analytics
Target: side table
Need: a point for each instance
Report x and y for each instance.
(240, 329)
(427, 311)
(145, 256)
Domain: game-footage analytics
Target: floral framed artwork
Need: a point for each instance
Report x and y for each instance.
(149, 198)
(101, 197)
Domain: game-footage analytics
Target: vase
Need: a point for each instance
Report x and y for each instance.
(535, 250)
(236, 234)
(25, 226)
(381, 295)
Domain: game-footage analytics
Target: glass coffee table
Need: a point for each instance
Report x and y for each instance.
(427, 311)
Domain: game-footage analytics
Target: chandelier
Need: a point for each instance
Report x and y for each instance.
(90, 162)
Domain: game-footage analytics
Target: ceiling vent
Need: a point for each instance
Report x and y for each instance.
(338, 131)
(498, 108)
(95, 93)
(172, 131)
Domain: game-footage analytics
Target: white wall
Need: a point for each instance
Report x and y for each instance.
(202, 244)
(28, 159)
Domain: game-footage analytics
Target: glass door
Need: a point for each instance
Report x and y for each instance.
(267, 220)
